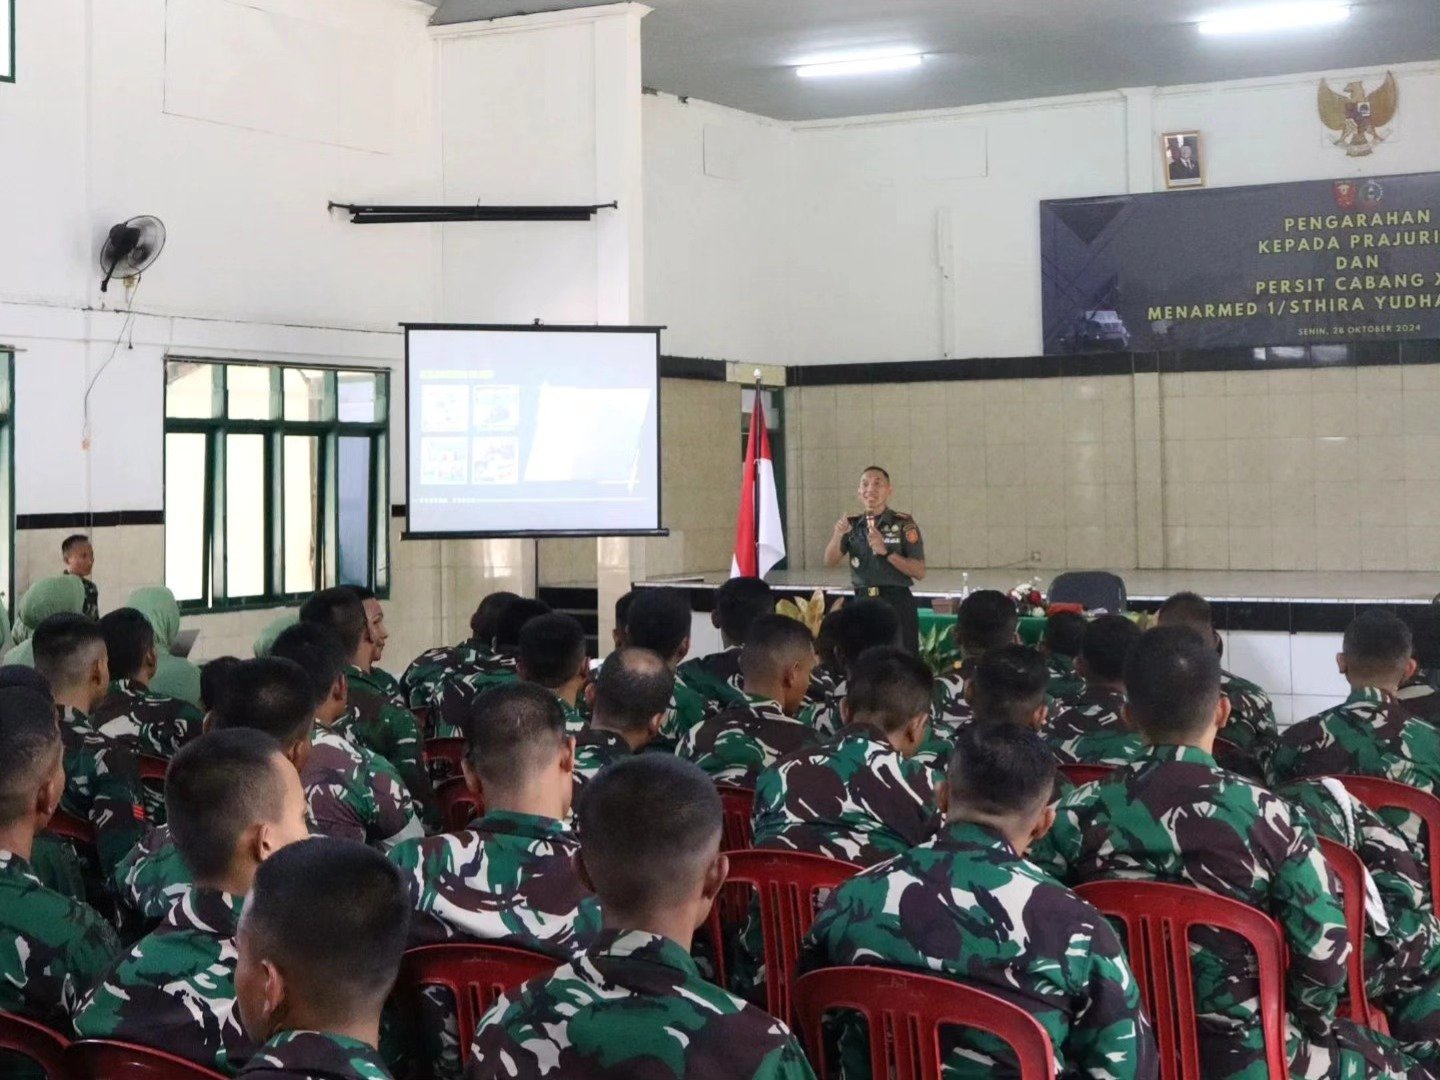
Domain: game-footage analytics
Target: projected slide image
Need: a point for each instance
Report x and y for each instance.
(444, 408)
(496, 460)
(444, 461)
(587, 434)
(497, 408)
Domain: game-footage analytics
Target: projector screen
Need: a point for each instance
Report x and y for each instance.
(532, 431)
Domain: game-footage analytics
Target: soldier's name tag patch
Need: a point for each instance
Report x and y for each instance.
(855, 561)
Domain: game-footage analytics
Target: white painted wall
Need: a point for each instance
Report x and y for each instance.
(915, 237)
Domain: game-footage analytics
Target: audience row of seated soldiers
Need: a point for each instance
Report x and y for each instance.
(253, 919)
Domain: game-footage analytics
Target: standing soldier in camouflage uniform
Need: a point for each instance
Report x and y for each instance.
(148, 723)
(966, 905)
(628, 703)
(52, 949)
(635, 1004)
(1252, 733)
(509, 878)
(450, 699)
(659, 620)
(552, 655)
(738, 603)
(319, 947)
(860, 796)
(885, 552)
(1173, 815)
(1420, 694)
(476, 653)
(1091, 728)
(1064, 633)
(986, 620)
(352, 792)
(1371, 734)
(102, 784)
(371, 720)
(735, 744)
(232, 800)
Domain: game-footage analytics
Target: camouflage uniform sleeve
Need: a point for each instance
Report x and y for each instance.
(1059, 849)
(393, 816)
(787, 1062)
(1110, 1037)
(405, 752)
(106, 771)
(1304, 900)
(93, 949)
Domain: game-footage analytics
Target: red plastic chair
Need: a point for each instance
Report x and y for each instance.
(1380, 794)
(473, 974)
(1158, 919)
(35, 1041)
(788, 884)
(1079, 773)
(458, 805)
(68, 826)
(152, 769)
(125, 1061)
(906, 1011)
(450, 750)
(1351, 872)
(739, 827)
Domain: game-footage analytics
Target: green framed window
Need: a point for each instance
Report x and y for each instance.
(276, 482)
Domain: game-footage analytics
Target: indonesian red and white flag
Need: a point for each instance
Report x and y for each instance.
(759, 542)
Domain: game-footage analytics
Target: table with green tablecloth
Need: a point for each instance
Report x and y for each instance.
(1032, 627)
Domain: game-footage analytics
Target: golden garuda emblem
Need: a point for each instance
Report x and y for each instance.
(1360, 118)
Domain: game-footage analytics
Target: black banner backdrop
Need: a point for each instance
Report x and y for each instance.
(1278, 264)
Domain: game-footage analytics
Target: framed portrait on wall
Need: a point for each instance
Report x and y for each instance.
(1181, 160)
(7, 40)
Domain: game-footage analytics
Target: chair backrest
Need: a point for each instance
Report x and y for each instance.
(1094, 590)
(126, 1061)
(451, 750)
(474, 975)
(1351, 872)
(1158, 918)
(1380, 794)
(739, 803)
(457, 803)
(1079, 774)
(906, 1013)
(37, 1042)
(787, 884)
(152, 769)
(69, 827)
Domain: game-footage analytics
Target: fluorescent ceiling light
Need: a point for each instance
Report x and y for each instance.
(861, 65)
(1259, 20)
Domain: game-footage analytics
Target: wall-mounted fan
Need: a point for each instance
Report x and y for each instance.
(131, 248)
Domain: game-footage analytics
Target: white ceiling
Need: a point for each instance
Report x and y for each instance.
(740, 52)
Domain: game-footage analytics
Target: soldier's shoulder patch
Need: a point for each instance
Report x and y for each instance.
(912, 534)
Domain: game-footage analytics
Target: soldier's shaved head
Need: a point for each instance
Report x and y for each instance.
(1064, 633)
(67, 647)
(1186, 609)
(888, 688)
(341, 610)
(649, 830)
(986, 619)
(513, 619)
(1172, 684)
(999, 769)
(738, 603)
(318, 651)
(774, 643)
(129, 642)
(30, 751)
(1106, 645)
(269, 694)
(485, 623)
(1009, 684)
(552, 650)
(861, 625)
(634, 685)
(659, 620)
(1376, 650)
(512, 733)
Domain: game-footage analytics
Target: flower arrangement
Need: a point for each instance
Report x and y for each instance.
(1029, 597)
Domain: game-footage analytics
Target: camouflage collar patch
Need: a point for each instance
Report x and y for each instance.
(530, 826)
(1172, 752)
(641, 945)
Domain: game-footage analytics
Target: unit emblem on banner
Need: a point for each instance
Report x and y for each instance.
(1362, 119)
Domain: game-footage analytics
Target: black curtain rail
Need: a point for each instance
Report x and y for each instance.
(363, 214)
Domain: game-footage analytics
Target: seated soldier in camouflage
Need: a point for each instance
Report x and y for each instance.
(54, 948)
(375, 677)
(628, 702)
(855, 628)
(738, 603)
(319, 948)
(860, 796)
(371, 719)
(735, 744)
(1090, 728)
(827, 676)
(270, 695)
(213, 674)
(1060, 645)
(1402, 939)
(232, 800)
(353, 793)
(1252, 733)
(473, 655)
(102, 782)
(1420, 694)
(552, 655)
(659, 620)
(635, 1004)
(453, 695)
(1174, 815)
(985, 620)
(622, 612)
(129, 713)
(1371, 734)
(966, 905)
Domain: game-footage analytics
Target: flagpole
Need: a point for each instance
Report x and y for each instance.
(758, 410)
